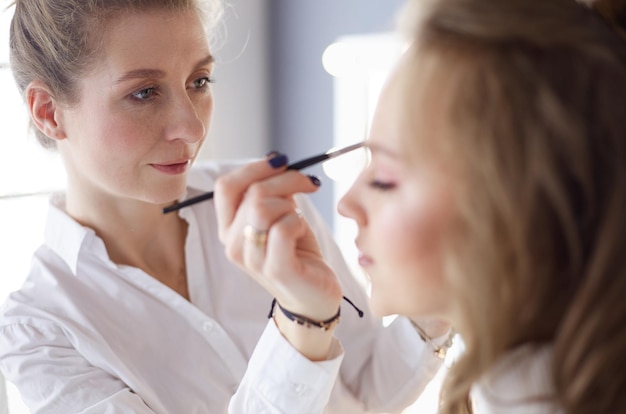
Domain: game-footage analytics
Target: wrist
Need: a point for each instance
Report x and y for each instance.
(326, 324)
(312, 340)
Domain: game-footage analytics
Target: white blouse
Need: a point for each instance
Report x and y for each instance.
(520, 383)
(85, 335)
(4, 403)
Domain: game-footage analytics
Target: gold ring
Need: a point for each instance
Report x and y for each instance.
(298, 213)
(256, 236)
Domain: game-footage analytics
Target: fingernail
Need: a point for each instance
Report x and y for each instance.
(316, 181)
(278, 161)
(272, 154)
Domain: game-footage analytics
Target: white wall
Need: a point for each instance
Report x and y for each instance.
(240, 125)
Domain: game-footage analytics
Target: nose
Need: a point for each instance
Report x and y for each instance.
(190, 118)
(350, 207)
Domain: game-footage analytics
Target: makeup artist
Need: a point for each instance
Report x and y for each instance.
(127, 309)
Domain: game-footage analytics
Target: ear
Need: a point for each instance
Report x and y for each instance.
(44, 110)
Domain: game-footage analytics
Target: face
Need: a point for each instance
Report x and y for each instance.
(402, 209)
(143, 111)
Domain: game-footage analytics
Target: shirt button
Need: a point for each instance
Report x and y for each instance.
(300, 389)
(208, 326)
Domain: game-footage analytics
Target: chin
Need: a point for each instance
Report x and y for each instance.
(380, 307)
(170, 193)
(163, 198)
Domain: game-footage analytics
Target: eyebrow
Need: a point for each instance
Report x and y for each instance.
(377, 149)
(158, 74)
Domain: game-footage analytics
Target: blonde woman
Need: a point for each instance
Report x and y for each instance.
(495, 199)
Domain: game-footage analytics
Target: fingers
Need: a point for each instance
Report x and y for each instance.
(271, 252)
(255, 236)
(231, 188)
(254, 182)
(264, 233)
(289, 265)
(254, 247)
(258, 212)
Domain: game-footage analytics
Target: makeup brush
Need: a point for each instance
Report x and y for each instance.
(307, 162)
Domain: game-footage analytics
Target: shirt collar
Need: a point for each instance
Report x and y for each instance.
(65, 236)
(523, 375)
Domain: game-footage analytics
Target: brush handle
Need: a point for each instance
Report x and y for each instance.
(188, 202)
(307, 162)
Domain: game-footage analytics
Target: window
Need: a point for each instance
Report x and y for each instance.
(360, 65)
(28, 174)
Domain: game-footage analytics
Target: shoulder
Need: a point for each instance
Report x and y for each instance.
(32, 301)
(519, 383)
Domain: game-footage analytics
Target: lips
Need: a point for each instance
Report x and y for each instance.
(365, 260)
(172, 168)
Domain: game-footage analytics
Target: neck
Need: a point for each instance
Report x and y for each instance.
(137, 234)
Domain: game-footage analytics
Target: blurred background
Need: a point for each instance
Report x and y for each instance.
(295, 76)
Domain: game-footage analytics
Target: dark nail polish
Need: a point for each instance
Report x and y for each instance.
(278, 161)
(316, 181)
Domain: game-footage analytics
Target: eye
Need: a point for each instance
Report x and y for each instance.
(382, 185)
(143, 94)
(203, 82)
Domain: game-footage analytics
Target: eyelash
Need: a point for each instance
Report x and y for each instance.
(207, 80)
(381, 186)
(136, 96)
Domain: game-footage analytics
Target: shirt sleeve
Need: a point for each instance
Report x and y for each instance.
(54, 378)
(280, 380)
(4, 408)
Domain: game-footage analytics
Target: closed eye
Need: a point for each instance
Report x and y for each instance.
(382, 186)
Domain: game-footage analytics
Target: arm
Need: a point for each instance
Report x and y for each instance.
(282, 255)
(279, 379)
(4, 409)
(293, 367)
(53, 377)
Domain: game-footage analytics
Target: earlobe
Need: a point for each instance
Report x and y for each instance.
(44, 110)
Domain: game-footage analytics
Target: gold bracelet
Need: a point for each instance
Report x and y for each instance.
(439, 351)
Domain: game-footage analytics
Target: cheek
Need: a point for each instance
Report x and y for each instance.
(124, 134)
(109, 128)
(409, 277)
(412, 233)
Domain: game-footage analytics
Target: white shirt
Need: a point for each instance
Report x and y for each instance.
(86, 335)
(520, 383)
(4, 403)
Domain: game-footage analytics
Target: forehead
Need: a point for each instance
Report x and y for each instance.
(411, 111)
(149, 36)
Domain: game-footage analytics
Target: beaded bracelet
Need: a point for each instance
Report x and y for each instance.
(304, 321)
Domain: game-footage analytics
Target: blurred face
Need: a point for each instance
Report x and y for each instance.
(402, 209)
(143, 111)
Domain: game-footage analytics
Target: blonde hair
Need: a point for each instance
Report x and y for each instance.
(534, 125)
(57, 41)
